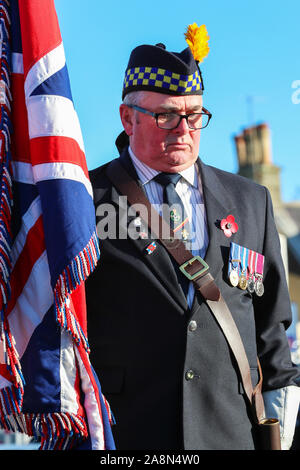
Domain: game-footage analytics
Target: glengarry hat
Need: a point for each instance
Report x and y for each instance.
(153, 68)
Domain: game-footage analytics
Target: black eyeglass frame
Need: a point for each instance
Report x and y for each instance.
(181, 116)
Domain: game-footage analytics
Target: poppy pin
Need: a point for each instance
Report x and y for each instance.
(229, 226)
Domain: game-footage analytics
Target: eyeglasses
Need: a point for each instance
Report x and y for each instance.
(170, 121)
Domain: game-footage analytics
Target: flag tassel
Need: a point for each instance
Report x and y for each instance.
(55, 431)
(72, 276)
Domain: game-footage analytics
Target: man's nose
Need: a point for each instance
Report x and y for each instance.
(182, 127)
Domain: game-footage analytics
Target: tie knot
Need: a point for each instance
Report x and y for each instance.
(166, 178)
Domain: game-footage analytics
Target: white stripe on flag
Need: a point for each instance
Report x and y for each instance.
(22, 172)
(4, 383)
(52, 115)
(58, 170)
(48, 65)
(17, 63)
(28, 220)
(91, 407)
(25, 173)
(31, 306)
(68, 370)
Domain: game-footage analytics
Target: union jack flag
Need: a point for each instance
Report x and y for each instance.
(48, 242)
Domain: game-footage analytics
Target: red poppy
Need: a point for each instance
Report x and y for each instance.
(229, 226)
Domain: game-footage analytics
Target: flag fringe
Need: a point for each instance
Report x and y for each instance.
(72, 276)
(54, 431)
(6, 204)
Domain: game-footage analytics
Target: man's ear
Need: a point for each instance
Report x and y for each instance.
(126, 115)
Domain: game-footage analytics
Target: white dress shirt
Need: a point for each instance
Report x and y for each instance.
(189, 188)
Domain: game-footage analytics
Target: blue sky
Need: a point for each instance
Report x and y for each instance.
(254, 51)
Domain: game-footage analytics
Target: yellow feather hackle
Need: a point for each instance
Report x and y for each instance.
(197, 39)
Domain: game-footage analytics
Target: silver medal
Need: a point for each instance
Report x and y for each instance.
(251, 285)
(259, 287)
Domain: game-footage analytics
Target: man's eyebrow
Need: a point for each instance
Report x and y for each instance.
(174, 109)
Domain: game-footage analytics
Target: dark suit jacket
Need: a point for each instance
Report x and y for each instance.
(139, 326)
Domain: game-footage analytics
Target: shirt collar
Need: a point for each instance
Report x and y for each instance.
(146, 174)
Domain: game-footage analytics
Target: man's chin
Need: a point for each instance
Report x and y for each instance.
(179, 162)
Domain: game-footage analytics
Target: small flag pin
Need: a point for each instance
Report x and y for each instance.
(150, 248)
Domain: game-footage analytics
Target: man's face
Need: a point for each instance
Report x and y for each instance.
(164, 150)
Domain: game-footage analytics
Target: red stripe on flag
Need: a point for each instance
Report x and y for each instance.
(39, 29)
(77, 389)
(79, 303)
(33, 249)
(57, 149)
(20, 142)
(5, 373)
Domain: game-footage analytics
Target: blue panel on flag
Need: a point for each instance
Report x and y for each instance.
(42, 391)
(28, 191)
(15, 25)
(57, 84)
(71, 204)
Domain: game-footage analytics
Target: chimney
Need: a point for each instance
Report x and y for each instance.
(241, 149)
(253, 147)
(264, 139)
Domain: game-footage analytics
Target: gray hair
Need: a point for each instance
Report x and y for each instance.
(134, 98)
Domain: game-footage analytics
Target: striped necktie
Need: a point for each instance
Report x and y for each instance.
(175, 214)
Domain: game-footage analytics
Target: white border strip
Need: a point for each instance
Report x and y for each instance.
(48, 65)
(25, 173)
(31, 306)
(28, 220)
(91, 407)
(52, 115)
(68, 371)
(17, 63)
(22, 172)
(58, 170)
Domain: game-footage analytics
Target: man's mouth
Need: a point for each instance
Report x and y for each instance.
(178, 144)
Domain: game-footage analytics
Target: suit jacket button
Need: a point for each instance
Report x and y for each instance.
(193, 325)
(189, 375)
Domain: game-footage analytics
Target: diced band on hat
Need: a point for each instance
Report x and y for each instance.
(162, 80)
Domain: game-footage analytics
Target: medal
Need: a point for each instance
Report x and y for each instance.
(234, 262)
(251, 285)
(243, 282)
(259, 287)
(251, 280)
(244, 262)
(234, 278)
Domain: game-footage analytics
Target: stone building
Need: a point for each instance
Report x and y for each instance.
(254, 152)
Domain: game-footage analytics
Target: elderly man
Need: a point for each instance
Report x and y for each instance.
(163, 360)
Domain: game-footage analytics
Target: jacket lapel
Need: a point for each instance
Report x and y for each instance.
(218, 206)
